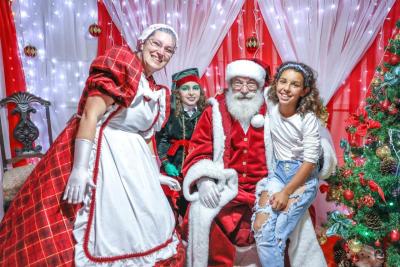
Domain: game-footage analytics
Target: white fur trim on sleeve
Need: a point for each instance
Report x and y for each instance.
(203, 168)
(330, 160)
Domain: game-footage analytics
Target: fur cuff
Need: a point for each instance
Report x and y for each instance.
(203, 168)
(330, 160)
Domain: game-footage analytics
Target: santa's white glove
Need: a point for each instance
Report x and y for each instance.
(79, 181)
(172, 183)
(209, 194)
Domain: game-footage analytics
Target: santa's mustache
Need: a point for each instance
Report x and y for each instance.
(241, 96)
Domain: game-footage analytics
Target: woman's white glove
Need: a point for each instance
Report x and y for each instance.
(79, 181)
(209, 193)
(172, 183)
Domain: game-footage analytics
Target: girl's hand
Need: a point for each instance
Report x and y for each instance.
(279, 200)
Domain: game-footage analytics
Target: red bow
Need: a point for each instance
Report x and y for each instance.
(176, 144)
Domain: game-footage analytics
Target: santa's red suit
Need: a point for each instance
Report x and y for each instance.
(221, 150)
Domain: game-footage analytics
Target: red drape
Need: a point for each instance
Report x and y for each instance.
(110, 34)
(249, 22)
(13, 71)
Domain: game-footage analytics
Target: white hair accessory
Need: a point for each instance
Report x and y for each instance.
(154, 27)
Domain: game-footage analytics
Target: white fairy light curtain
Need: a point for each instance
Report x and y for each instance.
(56, 50)
(330, 36)
(201, 27)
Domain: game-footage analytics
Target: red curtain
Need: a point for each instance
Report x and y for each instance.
(13, 71)
(249, 22)
(110, 34)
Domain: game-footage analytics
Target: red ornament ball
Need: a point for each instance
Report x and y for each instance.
(95, 30)
(392, 109)
(394, 235)
(385, 104)
(377, 243)
(30, 51)
(347, 173)
(394, 60)
(252, 44)
(348, 194)
(355, 258)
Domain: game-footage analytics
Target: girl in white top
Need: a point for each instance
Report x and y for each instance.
(285, 195)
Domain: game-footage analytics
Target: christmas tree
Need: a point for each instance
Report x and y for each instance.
(368, 182)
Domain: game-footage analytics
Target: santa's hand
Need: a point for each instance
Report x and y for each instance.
(172, 183)
(209, 194)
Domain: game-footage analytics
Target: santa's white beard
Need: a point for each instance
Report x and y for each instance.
(243, 107)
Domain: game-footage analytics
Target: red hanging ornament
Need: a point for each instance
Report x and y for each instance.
(392, 109)
(95, 30)
(348, 194)
(394, 235)
(385, 104)
(30, 51)
(355, 258)
(394, 60)
(377, 243)
(368, 201)
(363, 182)
(323, 188)
(252, 44)
(347, 173)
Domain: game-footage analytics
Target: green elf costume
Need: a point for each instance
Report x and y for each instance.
(173, 140)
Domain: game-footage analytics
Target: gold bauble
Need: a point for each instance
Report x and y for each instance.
(383, 152)
(376, 82)
(355, 245)
(334, 194)
(397, 37)
(322, 239)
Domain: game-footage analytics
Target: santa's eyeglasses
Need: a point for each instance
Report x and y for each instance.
(238, 84)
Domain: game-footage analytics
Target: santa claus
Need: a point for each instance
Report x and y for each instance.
(228, 155)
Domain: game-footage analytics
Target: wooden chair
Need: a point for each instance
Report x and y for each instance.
(26, 133)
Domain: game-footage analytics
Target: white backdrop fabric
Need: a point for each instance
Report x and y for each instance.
(328, 35)
(201, 27)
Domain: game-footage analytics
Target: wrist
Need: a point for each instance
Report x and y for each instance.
(83, 148)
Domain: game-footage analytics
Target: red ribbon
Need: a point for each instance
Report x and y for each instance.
(176, 144)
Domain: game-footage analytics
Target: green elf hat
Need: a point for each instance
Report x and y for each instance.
(182, 77)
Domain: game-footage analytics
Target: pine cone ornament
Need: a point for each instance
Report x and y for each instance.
(388, 166)
(372, 221)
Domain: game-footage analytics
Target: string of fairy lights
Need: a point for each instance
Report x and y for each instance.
(56, 50)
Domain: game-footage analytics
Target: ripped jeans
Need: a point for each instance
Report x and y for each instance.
(272, 236)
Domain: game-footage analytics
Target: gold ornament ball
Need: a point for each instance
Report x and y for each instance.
(376, 82)
(397, 37)
(322, 239)
(355, 245)
(383, 152)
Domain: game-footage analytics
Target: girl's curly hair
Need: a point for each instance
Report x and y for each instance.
(311, 102)
(179, 105)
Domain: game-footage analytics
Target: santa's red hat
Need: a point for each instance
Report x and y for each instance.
(246, 68)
